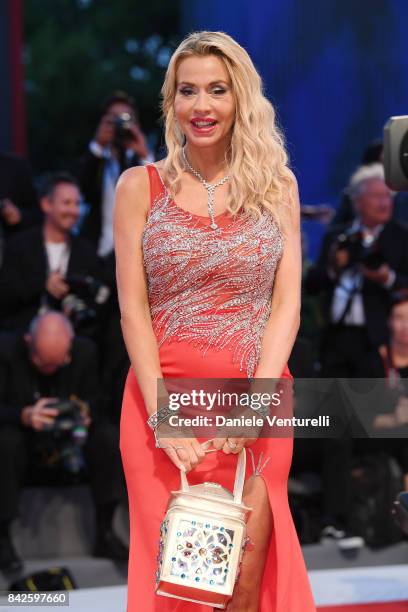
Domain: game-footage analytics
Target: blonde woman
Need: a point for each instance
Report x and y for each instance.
(208, 270)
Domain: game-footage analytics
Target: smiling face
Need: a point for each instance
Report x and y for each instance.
(62, 207)
(204, 104)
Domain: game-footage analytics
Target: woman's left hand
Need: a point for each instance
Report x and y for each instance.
(237, 439)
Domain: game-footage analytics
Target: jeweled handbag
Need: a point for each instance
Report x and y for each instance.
(202, 540)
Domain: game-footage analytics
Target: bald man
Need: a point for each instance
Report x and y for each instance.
(46, 364)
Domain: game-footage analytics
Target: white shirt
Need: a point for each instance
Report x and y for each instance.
(58, 254)
(110, 178)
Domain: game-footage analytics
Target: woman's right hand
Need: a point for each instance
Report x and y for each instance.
(185, 453)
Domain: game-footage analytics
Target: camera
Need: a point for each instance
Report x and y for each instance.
(69, 433)
(371, 256)
(396, 153)
(87, 295)
(122, 131)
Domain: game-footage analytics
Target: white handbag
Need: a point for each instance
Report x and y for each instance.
(202, 540)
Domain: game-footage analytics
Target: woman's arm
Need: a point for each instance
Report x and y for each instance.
(283, 324)
(130, 214)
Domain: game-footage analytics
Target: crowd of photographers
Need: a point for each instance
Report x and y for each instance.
(359, 284)
(63, 361)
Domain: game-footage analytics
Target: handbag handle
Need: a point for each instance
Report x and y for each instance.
(239, 478)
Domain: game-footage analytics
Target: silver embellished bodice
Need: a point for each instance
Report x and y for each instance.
(211, 287)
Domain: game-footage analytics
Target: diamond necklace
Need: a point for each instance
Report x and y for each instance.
(210, 188)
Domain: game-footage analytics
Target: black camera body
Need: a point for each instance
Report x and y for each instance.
(122, 131)
(69, 415)
(69, 433)
(352, 242)
(85, 298)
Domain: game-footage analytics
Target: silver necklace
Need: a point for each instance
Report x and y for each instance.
(210, 188)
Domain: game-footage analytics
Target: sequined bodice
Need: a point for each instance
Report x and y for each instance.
(211, 287)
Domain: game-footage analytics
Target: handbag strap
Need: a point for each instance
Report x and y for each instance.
(239, 478)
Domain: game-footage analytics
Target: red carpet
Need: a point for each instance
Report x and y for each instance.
(397, 606)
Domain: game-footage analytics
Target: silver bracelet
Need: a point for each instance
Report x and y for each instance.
(263, 411)
(161, 415)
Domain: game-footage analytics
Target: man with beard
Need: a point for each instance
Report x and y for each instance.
(39, 261)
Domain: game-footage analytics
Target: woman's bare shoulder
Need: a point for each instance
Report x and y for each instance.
(137, 176)
(133, 186)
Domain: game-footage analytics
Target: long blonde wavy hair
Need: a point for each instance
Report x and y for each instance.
(256, 157)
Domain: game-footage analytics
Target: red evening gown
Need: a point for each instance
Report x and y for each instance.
(209, 295)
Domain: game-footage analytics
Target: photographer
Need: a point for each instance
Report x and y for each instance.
(359, 265)
(119, 143)
(52, 425)
(47, 267)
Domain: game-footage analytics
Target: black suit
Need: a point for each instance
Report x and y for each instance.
(24, 275)
(20, 385)
(393, 242)
(90, 171)
(16, 183)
